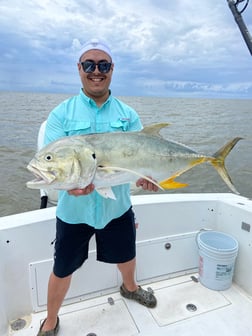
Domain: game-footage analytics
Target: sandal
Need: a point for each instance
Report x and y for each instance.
(140, 295)
(52, 332)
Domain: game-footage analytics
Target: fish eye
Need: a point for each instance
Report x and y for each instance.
(94, 156)
(48, 157)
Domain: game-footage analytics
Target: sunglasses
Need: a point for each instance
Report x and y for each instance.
(90, 66)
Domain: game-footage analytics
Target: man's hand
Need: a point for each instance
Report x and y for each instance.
(146, 185)
(80, 192)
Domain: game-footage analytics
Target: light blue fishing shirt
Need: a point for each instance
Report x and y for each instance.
(81, 115)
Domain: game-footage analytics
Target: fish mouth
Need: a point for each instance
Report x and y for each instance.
(42, 177)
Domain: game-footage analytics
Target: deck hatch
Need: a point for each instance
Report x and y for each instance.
(173, 302)
(99, 320)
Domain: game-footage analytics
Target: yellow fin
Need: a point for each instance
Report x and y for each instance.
(218, 162)
(171, 184)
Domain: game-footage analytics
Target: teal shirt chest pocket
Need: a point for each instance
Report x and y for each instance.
(72, 127)
(120, 125)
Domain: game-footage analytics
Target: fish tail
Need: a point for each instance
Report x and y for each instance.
(218, 161)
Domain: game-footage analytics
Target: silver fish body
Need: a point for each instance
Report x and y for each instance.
(109, 159)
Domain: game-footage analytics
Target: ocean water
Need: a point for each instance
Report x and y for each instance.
(202, 124)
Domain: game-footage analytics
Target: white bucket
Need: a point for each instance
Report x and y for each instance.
(217, 254)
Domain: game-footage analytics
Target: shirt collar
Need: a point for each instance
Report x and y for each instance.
(90, 100)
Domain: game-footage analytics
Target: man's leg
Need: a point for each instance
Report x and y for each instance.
(117, 242)
(130, 289)
(57, 289)
(127, 270)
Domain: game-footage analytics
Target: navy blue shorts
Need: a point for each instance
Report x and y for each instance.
(116, 243)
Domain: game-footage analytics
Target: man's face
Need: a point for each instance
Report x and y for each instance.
(95, 84)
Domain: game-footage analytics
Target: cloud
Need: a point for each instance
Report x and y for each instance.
(179, 47)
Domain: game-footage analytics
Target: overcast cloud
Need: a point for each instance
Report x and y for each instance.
(183, 48)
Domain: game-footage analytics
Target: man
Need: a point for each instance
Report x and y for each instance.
(82, 213)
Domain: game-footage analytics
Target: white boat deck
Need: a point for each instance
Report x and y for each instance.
(167, 263)
(185, 307)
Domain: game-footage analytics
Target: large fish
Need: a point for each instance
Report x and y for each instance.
(109, 159)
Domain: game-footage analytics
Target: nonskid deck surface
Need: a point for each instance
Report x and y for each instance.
(185, 307)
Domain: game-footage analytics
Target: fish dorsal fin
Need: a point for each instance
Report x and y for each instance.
(154, 129)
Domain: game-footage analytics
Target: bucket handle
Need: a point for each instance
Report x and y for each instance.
(201, 230)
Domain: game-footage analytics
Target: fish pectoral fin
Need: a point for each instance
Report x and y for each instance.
(110, 169)
(106, 193)
(171, 184)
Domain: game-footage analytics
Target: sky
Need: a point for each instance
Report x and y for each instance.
(175, 48)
